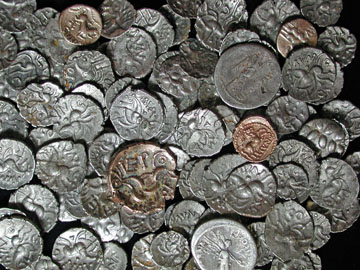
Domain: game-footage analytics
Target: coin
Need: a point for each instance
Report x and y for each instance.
(264, 253)
(44, 262)
(10, 120)
(229, 119)
(184, 184)
(106, 228)
(7, 212)
(354, 161)
(185, 8)
(254, 139)
(236, 37)
(8, 48)
(343, 219)
(322, 228)
(114, 258)
(322, 12)
(80, 24)
(309, 261)
(14, 14)
(196, 177)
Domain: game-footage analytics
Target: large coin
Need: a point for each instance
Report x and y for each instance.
(247, 76)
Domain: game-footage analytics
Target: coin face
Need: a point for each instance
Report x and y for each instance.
(80, 24)
(322, 12)
(254, 139)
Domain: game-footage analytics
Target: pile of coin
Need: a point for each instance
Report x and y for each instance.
(107, 112)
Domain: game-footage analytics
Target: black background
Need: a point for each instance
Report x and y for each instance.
(343, 249)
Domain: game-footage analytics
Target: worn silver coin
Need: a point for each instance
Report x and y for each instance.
(208, 97)
(196, 177)
(105, 228)
(264, 253)
(185, 8)
(14, 14)
(343, 219)
(8, 48)
(229, 119)
(181, 157)
(11, 120)
(309, 261)
(114, 258)
(8, 212)
(321, 12)
(184, 184)
(354, 161)
(322, 229)
(238, 36)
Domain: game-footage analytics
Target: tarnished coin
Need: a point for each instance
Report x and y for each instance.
(247, 76)
(354, 161)
(196, 177)
(114, 258)
(170, 249)
(14, 14)
(142, 177)
(254, 139)
(308, 261)
(117, 17)
(61, 166)
(264, 253)
(337, 186)
(8, 48)
(10, 120)
(327, 136)
(343, 219)
(36, 102)
(142, 223)
(44, 263)
(21, 243)
(106, 228)
(289, 230)
(38, 200)
(76, 249)
(295, 33)
(208, 97)
(223, 243)
(322, 228)
(236, 37)
(184, 184)
(133, 53)
(322, 12)
(80, 24)
(17, 164)
(185, 8)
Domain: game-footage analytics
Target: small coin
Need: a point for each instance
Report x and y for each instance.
(114, 258)
(8, 48)
(322, 12)
(11, 121)
(322, 229)
(142, 223)
(264, 253)
(80, 24)
(254, 139)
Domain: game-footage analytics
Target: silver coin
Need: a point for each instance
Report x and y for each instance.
(180, 24)
(88, 66)
(229, 120)
(223, 244)
(236, 37)
(264, 253)
(185, 8)
(170, 249)
(321, 12)
(287, 114)
(250, 81)
(343, 219)
(64, 215)
(14, 14)
(11, 121)
(72, 203)
(184, 184)
(124, 234)
(27, 67)
(38, 200)
(36, 102)
(77, 248)
(44, 263)
(114, 258)
(215, 181)
(269, 16)
(133, 53)
(327, 136)
(7, 212)
(142, 223)
(309, 261)
(215, 19)
(346, 113)
(200, 133)
(322, 228)
(188, 102)
(117, 16)
(9, 48)
(158, 63)
(61, 166)
(292, 182)
(196, 176)
(77, 117)
(181, 157)
(136, 114)
(21, 243)
(354, 161)
(338, 185)
(185, 216)
(251, 190)
(191, 265)
(208, 97)
(167, 215)
(105, 228)
(17, 164)
(289, 230)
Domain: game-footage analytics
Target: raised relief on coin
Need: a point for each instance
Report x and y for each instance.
(72, 202)
(223, 244)
(343, 219)
(184, 184)
(8, 48)
(322, 229)
(254, 139)
(76, 249)
(80, 24)
(106, 228)
(196, 177)
(264, 253)
(322, 12)
(114, 258)
(142, 223)
(141, 177)
(295, 33)
(247, 76)
(236, 37)
(11, 121)
(44, 262)
(61, 166)
(289, 230)
(354, 161)
(17, 164)
(117, 16)
(14, 14)
(185, 8)
(309, 261)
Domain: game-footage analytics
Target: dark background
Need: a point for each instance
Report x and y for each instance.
(343, 249)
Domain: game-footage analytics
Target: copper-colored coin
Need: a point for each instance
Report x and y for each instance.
(254, 139)
(142, 177)
(296, 32)
(80, 24)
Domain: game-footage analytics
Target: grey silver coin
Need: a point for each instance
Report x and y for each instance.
(21, 243)
(61, 166)
(77, 248)
(229, 120)
(184, 184)
(187, 102)
(124, 234)
(133, 53)
(337, 186)
(185, 8)
(72, 203)
(196, 177)
(252, 80)
(289, 230)
(208, 97)
(8, 212)
(64, 215)
(309, 261)
(287, 114)
(36, 102)
(44, 263)
(37, 200)
(238, 36)
(158, 26)
(292, 182)
(322, 229)
(136, 114)
(105, 228)
(191, 265)
(343, 219)
(264, 253)
(168, 214)
(181, 157)
(114, 257)
(269, 16)
(9, 48)
(322, 12)
(14, 14)
(11, 121)
(78, 118)
(17, 164)
(158, 63)
(327, 136)
(354, 161)
(223, 243)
